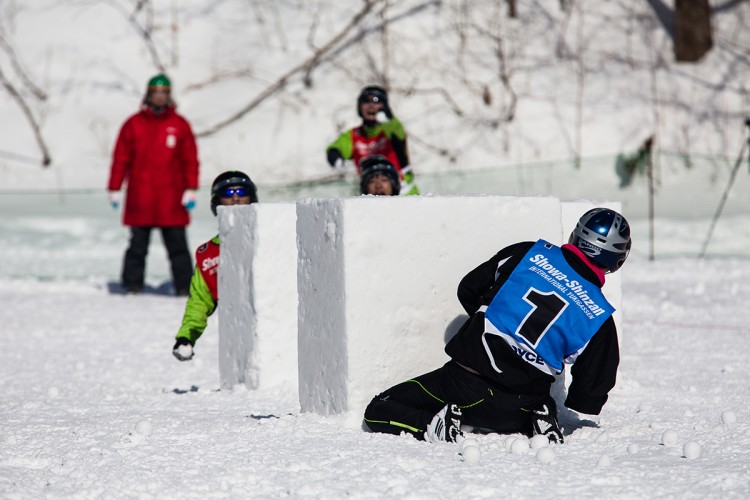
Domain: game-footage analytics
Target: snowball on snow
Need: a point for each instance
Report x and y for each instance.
(728, 417)
(471, 453)
(545, 455)
(143, 427)
(539, 441)
(520, 446)
(669, 438)
(691, 450)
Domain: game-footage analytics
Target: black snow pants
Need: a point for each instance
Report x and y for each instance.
(134, 263)
(411, 405)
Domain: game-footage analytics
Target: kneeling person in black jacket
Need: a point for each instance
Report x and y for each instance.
(532, 307)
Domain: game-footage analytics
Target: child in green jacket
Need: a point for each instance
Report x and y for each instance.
(230, 188)
(381, 134)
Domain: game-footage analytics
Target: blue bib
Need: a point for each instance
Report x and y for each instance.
(547, 308)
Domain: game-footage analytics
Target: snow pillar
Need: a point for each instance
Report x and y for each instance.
(258, 296)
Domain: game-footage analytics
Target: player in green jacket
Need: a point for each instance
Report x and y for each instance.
(380, 134)
(230, 188)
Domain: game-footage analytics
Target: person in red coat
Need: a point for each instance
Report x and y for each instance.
(156, 157)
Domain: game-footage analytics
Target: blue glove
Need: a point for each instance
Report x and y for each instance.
(189, 200)
(114, 197)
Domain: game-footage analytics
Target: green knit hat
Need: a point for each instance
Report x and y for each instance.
(160, 80)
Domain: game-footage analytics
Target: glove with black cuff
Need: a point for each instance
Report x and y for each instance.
(544, 420)
(335, 160)
(182, 349)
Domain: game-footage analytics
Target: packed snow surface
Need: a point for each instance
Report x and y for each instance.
(94, 405)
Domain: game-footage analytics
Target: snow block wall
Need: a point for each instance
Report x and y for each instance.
(258, 296)
(377, 281)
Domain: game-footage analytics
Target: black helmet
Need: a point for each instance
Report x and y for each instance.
(604, 236)
(373, 165)
(231, 178)
(374, 92)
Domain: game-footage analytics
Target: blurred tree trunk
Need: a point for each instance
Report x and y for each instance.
(692, 30)
(512, 9)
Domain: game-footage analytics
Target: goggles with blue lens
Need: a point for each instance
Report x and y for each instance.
(230, 192)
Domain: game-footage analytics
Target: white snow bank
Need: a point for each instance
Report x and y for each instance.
(258, 296)
(377, 281)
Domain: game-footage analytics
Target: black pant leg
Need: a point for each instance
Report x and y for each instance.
(498, 411)
(406, 407)
(411, 405)
(488, 406)
(134, 263)
(175, 240)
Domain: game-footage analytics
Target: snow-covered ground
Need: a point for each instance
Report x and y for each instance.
(94, 405)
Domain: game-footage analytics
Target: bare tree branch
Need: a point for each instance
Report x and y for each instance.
(442, 151)
(280, 82)
(311, 43)
(217, 78)
(46, 159)
(665, 14)
(561, 49)
(174, 28)
(505, 73)
(443, 93)
(580, 69)
(146, 31)
(22, 74)
(384, 40)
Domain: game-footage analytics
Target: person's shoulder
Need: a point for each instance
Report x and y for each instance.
(135, 117)
(209, 245)
(521, 246)
(513, 252)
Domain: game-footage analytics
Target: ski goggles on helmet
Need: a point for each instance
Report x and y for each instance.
(372, 96)
(229, 192)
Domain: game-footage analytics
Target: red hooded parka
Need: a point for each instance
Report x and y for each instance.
(158, 157)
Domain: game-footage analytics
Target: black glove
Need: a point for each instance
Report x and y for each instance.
(387, 109)
(183, 349)
(334, 157)
(544, 420)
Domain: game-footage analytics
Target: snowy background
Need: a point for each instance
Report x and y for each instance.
(268, 84)
(91, 400)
